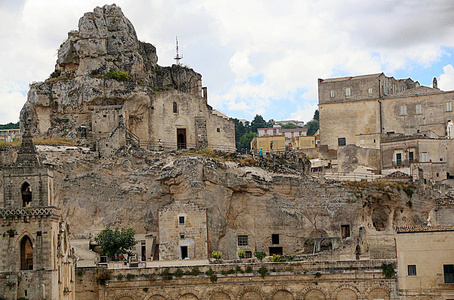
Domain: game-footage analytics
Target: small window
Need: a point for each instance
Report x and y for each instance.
(418, 109)
(341, 142)
(441, 158)
(242, 240)
(275, 239)
(39, 233)
(403, 110)
(348, 92)
(181, 220)
(332, 94)
(369, 91)
(449, 273)
(345, 231)
(448, 106)
(181, 236)
(175, 108)
(424, 157)
(248, 254)
(411, 270)
(218, 129)
(438, 174)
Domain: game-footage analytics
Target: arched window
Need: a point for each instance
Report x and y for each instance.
(26, 254)
(26, 193)
(175, 108)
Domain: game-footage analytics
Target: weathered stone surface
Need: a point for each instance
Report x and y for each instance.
(128, 191)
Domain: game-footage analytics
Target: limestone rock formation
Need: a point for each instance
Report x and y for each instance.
(106, 40)
(128, 190)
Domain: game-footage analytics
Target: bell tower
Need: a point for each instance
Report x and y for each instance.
(35, 250)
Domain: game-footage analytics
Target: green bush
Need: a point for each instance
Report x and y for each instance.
(120, 277)
(260, 255)
(117, 75)
(216, 254)
(318, 275)
(213, 278)
(130, 276)
(166, 275)
(209, 272)
(239, 270)
(178, 273)
(248, 269)
(263, 271)
(388, 270)
(195, 271)
(276, 258)
(55, 74)
(241, 254)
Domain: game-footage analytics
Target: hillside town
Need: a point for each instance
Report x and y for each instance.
(123, 183)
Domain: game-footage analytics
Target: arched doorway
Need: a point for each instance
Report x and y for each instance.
(26, 254)
(26, 194)
(181, 138)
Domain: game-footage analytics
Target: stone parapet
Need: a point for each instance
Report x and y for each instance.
(29, 212)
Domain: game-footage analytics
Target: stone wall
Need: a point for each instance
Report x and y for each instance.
(283, 281)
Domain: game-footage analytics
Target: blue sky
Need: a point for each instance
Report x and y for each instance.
(255, 56)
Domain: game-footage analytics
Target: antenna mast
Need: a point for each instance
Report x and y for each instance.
(177, 57)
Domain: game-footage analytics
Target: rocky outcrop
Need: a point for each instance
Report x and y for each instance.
(128, 190)
(105, 41)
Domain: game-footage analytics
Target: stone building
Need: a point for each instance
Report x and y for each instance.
(425, 259)
(104, 74)
(374, 111)
(37, 261)
(183, 232)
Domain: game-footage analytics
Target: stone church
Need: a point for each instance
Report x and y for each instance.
(37, 260)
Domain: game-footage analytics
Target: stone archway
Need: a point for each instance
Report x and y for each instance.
(346, 294)
(282, 295)
(155, 297)
(309, 246)
(26, 254)
(251, 295)
(378, 293)
(188, 296)
(220, 296)
(326, 245)
(314, 295)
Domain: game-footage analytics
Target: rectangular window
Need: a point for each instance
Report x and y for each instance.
(448, 106)
(398, 159)
(181, 220)
(242, 240)
(418, 109)
(369, 91)
(275, 239)
(411, 156)
(341, 142)
(411, 270)
(424, 157)
(181, 236)
(449, 273)
(248, 254)
(403, 110)
(348, 92)
(332, 94)
(345, 231)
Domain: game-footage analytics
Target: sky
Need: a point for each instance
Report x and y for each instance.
(256, 56)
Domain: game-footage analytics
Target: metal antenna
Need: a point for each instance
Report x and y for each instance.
(177, 57)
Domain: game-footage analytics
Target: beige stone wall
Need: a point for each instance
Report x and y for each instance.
(428, 251)
(304, 142)
(164, 122)
(191, 233)
(283, 281)
(433, 116)
(348, 120)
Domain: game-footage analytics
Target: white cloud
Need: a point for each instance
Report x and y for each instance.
(446, 82)
(290, 43)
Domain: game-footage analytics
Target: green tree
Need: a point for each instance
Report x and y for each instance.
(270, 123)
(245, 140)
(116, 242)
(316, 117)
(289, 126)
(258, 122)
(10, 125)
(312, 127)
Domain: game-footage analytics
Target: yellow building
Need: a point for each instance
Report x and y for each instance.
(303, 142)
(265, 143)
(425, 258)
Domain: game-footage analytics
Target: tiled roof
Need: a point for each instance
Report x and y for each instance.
(423, 228)
(352, 77)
